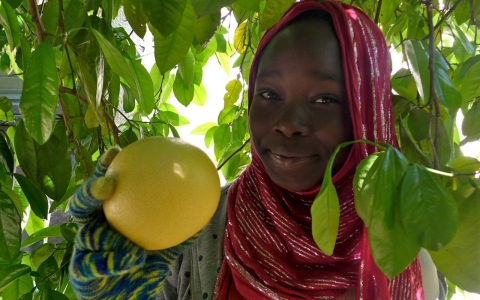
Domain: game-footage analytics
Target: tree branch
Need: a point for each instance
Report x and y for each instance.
(37, 20)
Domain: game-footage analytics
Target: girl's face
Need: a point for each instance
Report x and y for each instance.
(299, 113)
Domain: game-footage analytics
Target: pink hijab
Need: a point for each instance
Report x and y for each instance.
(269, 249)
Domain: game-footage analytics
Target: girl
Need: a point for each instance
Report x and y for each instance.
(320, 77)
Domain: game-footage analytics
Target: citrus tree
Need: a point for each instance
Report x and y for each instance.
(85, 89)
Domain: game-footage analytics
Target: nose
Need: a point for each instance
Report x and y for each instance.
(292, 121)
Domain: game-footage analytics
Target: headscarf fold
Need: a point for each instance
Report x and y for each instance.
(269, 249)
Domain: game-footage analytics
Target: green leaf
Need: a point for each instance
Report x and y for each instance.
(74, 15)
(8, 19)
(253, 5)
(12, 273)
(186, 69)
(325, 210)
(34, 223)
(127, 137)
(171, 49)
(227, 115)
(203, 128)
(36, 198)
(10, 228)
(274, 10)
(52, 231)
(143, 85)
(87, 76)
(49, 275)
(207, 7)
(391, 248)
(224, 61)
(414, 16)
(14, 3)
(114, 90)
(41, 253)
(183, 93)
(170, 11)
(221, 137)
(429, 213)
(364, 183)
(69, 230)
(6, 157)
(5, 104)
(39, 97)
(467, 45)
(462, 12)
(22, 286)
(55, 168)
(205, 27)
(410, 148)
(471, 122)
(459, 260)
(447, 93)
(417, 56)
(239, 128)
(466, 164)
(470, 84)
(209, 135)
(325, 216)
(128, 98)
(136, 16)
(199, 95)
(133, 73)
(418, 123)
(468, 64)
(50, 16)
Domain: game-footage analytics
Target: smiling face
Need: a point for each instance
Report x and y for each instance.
(299, 112)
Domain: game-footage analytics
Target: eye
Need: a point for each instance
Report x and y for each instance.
(326, 99)
(268, 95)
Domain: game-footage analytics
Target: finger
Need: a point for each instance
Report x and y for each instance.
(98, 236)
(105, 160)
(92, 265)
(86, 202)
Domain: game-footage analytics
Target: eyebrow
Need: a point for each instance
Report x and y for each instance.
(321, 75)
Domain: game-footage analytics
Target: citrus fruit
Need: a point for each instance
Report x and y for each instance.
(166, 190)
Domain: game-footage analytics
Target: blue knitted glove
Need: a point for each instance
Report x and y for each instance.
(104, 264)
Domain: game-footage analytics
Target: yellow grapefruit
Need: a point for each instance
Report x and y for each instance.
(166, 190)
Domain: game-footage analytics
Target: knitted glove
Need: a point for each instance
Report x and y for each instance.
(104, 264)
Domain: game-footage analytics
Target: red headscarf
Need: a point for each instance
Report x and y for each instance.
(269, 249)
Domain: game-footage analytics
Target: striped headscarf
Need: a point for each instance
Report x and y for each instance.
(269, 249)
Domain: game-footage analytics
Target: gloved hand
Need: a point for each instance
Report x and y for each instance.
(104, 264)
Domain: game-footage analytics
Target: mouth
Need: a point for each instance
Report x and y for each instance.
(290, 160)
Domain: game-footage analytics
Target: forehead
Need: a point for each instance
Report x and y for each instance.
(311, 43)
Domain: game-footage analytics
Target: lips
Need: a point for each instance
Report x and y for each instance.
(291, 159)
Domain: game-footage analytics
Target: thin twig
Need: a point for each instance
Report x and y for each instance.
(377, 13)
(473, 20)
(433, 101)
(115, 129)
(72, 138)
(233, 154)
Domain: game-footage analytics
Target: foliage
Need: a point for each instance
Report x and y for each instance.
(85, 90)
